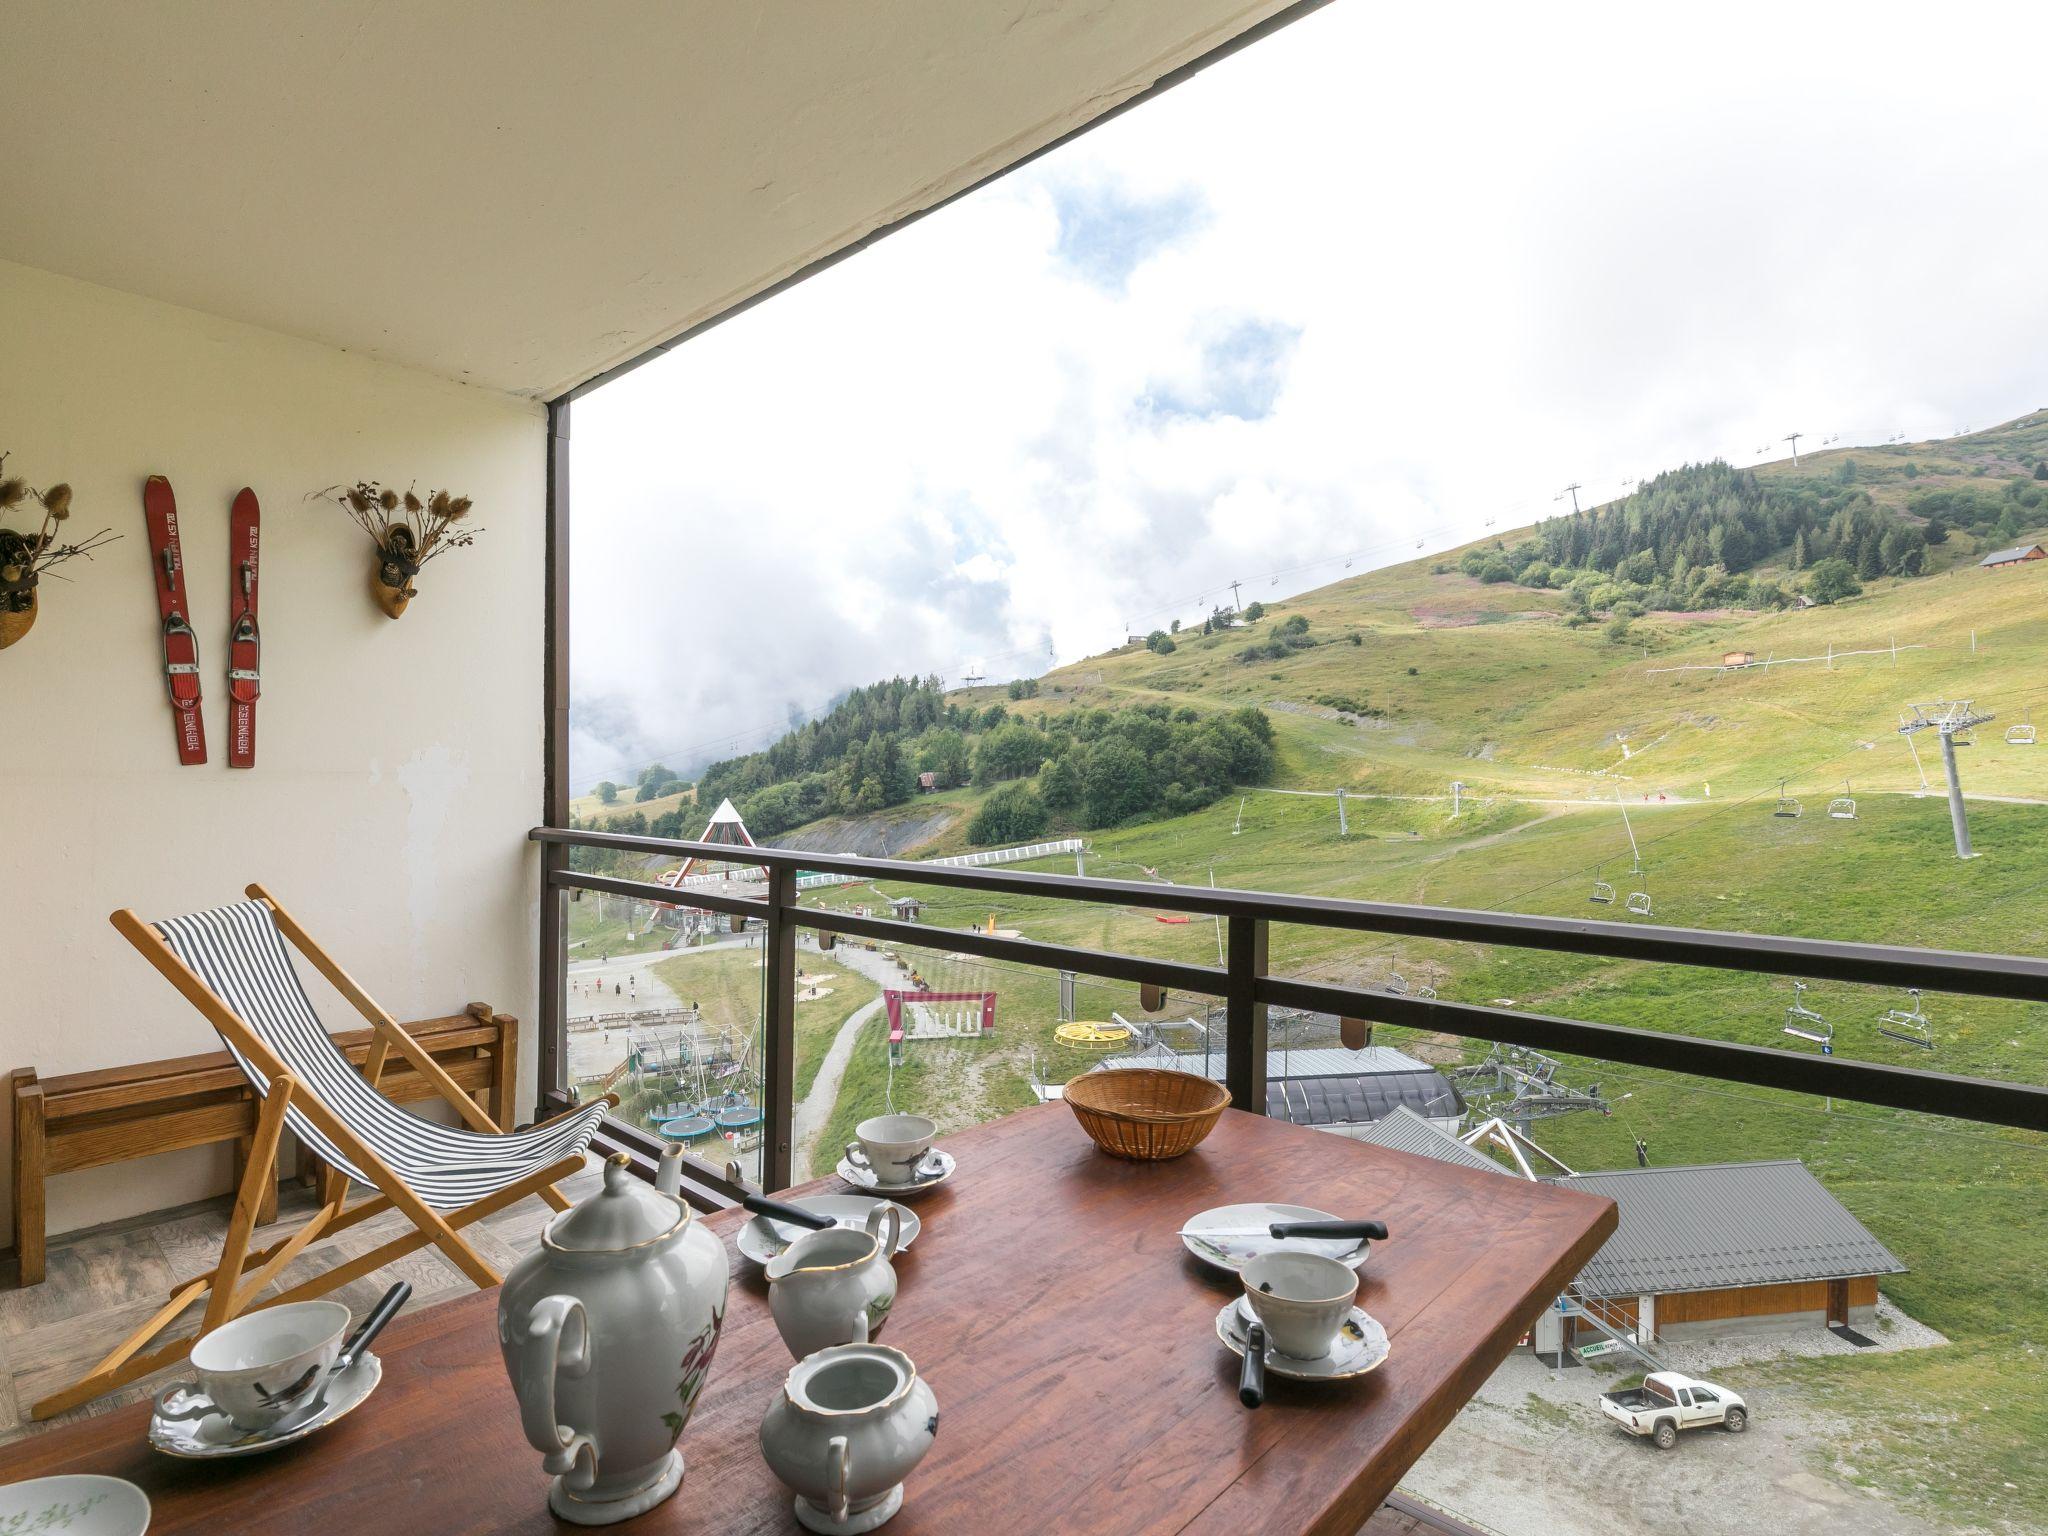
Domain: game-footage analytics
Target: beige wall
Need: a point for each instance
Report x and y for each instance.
(398, 764)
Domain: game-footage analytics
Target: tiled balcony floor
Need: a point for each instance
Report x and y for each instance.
(104, 1282)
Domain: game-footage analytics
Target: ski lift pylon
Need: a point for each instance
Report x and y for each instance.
(1908, 1024)
(1843, 806)
(1802, 1023)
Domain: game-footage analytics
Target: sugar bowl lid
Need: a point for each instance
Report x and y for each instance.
(626, 1213)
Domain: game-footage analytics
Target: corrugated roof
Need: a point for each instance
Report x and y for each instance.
(1725, 1224)
(1362, 1099)
(1402, 1130)
(1317, 1061)
(1324, 1086)
(2003, 556)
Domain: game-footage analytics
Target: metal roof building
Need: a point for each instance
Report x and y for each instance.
(1327, 1086)
(1704, 1251)
(2014, 555)
(1401, 1129)
(1722, 1224)
(1731, 1248)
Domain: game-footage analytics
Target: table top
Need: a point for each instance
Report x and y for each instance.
(1067, 1334)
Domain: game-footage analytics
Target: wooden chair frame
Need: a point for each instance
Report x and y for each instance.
(233, 1285)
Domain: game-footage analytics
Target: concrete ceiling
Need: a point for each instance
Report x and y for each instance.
(523, 193)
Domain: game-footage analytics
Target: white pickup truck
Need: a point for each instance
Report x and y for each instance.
(1667, 1402)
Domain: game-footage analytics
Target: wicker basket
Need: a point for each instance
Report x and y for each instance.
(1146, 1114)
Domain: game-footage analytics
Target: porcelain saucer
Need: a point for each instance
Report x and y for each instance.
(1361, 1346)
(1233, 1253)
(938, 1168)
(214, 1437)
(762, 1238)
(78, 1503)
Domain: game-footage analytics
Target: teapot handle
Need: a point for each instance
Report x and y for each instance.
(838, 1473)
(569, 1451)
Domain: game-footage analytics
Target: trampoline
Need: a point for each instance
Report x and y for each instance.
(689, 1128)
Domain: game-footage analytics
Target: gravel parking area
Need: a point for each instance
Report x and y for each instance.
(1531, 1455)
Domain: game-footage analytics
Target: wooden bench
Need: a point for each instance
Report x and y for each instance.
(114, 1114)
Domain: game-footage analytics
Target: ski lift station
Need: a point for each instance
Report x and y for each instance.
(1327, 1087)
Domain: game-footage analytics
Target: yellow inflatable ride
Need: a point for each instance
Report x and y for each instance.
(1091, 1036)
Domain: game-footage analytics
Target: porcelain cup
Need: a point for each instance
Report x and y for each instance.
(891, 1147)
(261, 1366)
(1302, 1298)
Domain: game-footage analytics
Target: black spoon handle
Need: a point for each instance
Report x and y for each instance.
(795, 1215)
(371, 1326)
(1376, 1230)
(1251, 1382)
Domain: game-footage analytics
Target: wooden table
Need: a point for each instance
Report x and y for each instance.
(1069, 1338)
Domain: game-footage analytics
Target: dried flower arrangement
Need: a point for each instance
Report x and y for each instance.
(407, 531)
(24, 557)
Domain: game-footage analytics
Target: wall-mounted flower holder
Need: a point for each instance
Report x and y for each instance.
(25, 558)
(407, 533)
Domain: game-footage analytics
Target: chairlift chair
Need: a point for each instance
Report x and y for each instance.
(1787, 806)
(2021, 735)
(1396, 984)
(1966, 737)
(1843, 806)
(1802, 1023)
(1908, 1024)
(1639, 903)
(1425, 993)
(1603, 893)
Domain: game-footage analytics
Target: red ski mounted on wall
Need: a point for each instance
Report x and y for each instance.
(245, 642)
(181, 645)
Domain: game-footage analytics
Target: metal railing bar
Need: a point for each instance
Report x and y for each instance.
(2012, 977)
(646, 890)
(2021, 1105)
(1105, 963)
(703, 1185)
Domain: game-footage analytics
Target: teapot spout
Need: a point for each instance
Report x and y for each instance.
(668, 1173)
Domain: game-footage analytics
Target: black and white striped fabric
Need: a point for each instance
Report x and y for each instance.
(240, 955)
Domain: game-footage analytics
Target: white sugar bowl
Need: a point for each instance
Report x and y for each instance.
(852, 1422)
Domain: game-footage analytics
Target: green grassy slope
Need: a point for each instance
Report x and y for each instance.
(1547, 726)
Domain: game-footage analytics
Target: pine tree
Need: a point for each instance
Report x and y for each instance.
(1799, 555)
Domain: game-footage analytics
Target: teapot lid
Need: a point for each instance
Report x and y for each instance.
(626, 1213)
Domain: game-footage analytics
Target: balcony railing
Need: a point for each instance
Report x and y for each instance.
(1248, 987)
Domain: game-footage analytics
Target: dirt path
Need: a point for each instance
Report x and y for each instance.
(816, 1107)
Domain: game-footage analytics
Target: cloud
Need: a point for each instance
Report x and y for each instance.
(1381, 279)
(1241, 372)
(1106, 232)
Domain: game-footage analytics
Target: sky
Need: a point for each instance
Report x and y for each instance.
(1384, 281)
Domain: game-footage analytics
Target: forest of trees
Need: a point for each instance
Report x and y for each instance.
(1689, 538)
(1998, 517)
(1078, 768)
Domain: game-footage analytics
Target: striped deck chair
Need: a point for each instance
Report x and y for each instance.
(232, 965)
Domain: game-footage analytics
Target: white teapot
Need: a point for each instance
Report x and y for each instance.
(607, 1332)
